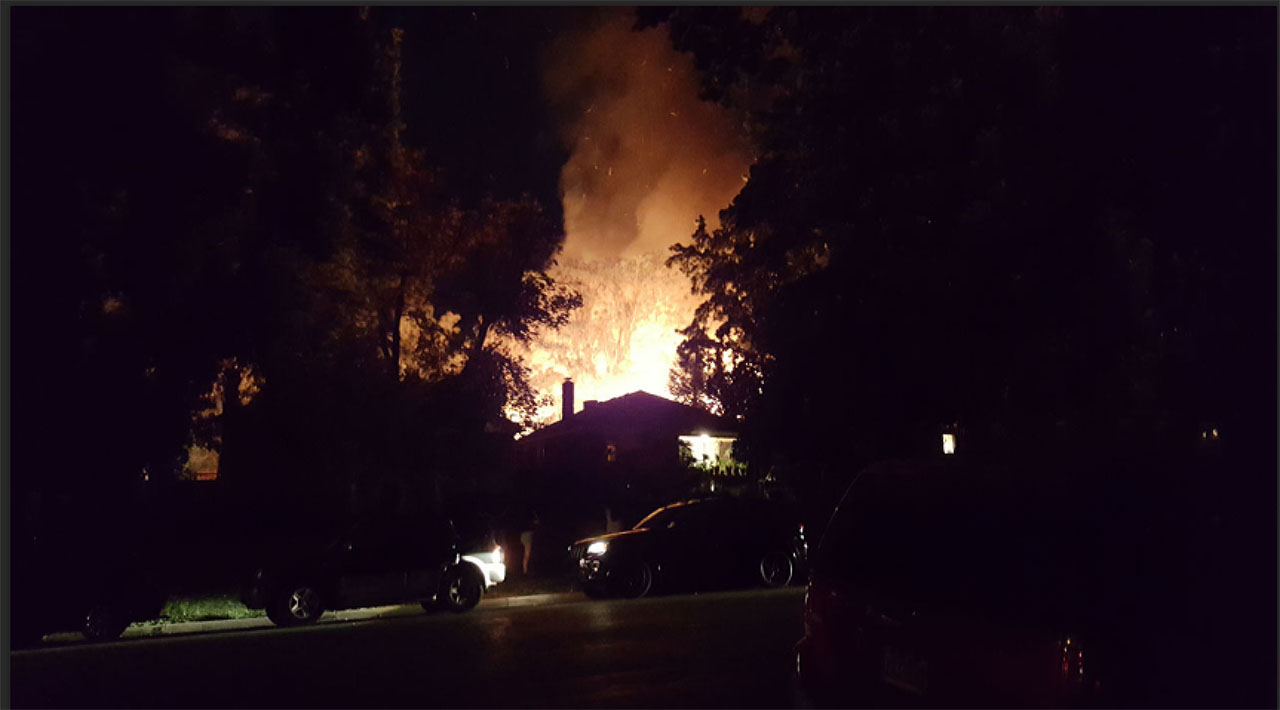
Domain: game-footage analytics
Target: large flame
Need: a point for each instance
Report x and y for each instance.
(625, 336)
(647, 158)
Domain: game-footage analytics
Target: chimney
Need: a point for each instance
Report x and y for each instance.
(566, 399)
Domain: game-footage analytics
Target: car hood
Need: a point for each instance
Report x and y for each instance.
(612, 536)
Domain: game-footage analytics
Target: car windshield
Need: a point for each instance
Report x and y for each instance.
(664, 517)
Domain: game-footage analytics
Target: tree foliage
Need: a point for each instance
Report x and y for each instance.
(250, 204)
(946, 221)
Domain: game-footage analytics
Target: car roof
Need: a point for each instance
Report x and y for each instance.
(1060, 486)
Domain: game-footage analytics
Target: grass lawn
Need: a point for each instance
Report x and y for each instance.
(204, 608)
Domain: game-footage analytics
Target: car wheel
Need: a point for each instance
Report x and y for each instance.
(295, 605)
(776, 569)
(462, 588)
(105, 622)
(633, 581)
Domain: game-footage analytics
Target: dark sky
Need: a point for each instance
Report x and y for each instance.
(473, 94)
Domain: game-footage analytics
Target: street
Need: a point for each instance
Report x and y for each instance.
(726, 649)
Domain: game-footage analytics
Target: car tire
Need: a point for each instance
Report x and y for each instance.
(462, 588)
(105, 622)
(295, 605)
(633, 580)
(775, 569)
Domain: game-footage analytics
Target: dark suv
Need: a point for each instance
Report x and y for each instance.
(371, 563)
(964, 583)
(696, 544)
(94, 585)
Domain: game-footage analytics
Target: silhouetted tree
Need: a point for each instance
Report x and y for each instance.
(247, 209)
(946, 220)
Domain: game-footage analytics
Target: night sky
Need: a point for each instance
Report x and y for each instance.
(474, 97)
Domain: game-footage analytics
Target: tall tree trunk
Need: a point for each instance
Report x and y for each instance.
(397, 315)
(477, 346)
(230, 419)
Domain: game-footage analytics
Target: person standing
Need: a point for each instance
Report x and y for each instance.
(526, 541)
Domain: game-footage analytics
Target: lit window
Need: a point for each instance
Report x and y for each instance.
(948, 443)
(710, 451)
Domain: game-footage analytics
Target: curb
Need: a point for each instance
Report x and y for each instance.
(531, 600)
(153, 629)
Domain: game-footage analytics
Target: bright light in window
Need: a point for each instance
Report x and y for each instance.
(706, 449)
(597, 548)
(948, 443)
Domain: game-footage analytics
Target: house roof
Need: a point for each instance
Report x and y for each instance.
(637, 410)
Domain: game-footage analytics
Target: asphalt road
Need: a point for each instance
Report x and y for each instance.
(725, 649)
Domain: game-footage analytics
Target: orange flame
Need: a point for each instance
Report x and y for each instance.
(647, 158)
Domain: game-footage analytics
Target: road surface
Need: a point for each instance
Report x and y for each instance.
(725, 649)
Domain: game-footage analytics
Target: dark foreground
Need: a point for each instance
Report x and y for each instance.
(730, 649)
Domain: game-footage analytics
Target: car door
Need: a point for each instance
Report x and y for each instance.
(670, 544)
(425, 549)
(371, 572)
(697, 544)
(737, 533)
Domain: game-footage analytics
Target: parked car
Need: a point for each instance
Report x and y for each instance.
(96, 587)
(960, 583)
(372, 563)
(695, 544)
(486, 555)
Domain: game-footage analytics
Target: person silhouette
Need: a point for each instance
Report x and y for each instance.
(611, 524)
(526, 541)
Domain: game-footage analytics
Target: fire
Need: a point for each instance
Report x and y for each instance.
(624, 337)
(646, 157)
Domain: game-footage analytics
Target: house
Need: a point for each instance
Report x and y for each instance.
(630, 453)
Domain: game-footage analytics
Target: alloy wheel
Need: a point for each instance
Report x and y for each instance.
(776, 570)
(303, 603)
(104, 623)
(635, 581)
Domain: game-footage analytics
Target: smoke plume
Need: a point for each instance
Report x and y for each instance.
(648, 156)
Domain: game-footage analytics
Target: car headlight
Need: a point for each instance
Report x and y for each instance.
(597, 548)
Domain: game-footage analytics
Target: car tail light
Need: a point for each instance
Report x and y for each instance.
(1072, 662)
(819, 602)
(1075, 674)
(497, 554)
